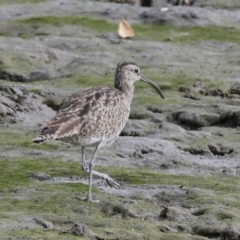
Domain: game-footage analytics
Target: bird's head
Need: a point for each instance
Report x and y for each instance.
(127, 73)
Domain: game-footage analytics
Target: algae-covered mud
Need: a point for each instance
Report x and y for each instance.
(177, 159)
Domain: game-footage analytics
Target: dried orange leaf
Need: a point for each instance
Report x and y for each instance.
(125, 30)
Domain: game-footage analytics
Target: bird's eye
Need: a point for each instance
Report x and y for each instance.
(136, 70)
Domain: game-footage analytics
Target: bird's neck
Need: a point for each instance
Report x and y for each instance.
(123, 86)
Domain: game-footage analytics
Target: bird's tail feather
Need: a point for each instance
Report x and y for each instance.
(42, 138)
(48, 133)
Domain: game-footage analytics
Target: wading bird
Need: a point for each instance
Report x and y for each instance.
(95, 117)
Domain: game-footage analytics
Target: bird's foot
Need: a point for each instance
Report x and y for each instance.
(108, 181)
(89, 199)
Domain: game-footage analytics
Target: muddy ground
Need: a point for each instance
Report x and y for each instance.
(177, 159)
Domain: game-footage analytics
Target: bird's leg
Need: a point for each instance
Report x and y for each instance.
(84, 164)
(108, 181)
(91, 166)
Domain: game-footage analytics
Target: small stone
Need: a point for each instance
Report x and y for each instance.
(230, 172)
(78, 230)
(43, 223)
(230, 233)
(41, 176)
(174, 214)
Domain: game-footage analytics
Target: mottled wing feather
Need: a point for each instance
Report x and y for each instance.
(78, 100)
(63, 124)
(90, 112)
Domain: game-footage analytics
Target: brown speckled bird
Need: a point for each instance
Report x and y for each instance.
(96, 116)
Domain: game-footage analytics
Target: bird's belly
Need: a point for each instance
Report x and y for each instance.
(105, 139)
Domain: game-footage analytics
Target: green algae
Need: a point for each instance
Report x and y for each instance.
(229, 139)
(10, 139)
(227, 184)
(58, 202)
(16, 173)
(93, 24)
(161, 32)
(73, 84)
(146, 32)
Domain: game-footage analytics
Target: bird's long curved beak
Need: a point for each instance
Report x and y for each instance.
(146, 80)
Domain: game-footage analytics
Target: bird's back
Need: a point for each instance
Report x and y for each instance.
(88, 117)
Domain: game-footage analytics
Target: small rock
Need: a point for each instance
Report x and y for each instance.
(78, 230)
(14, 93)
(209, 230)
(195, 151)
(183, 228)
(118, 210)
(184, 89)
(220, 150)
(136, 128)
(193, 120)
(199, 88)
(174, 214)
(155, 108)
(165, 228)
(43, 223)
(171, 129)
(41, 176)
(32, 76)
(229, 118)
(230, 233)
(230, 172)
(140, 113)
(52, 100)
(235, 88)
